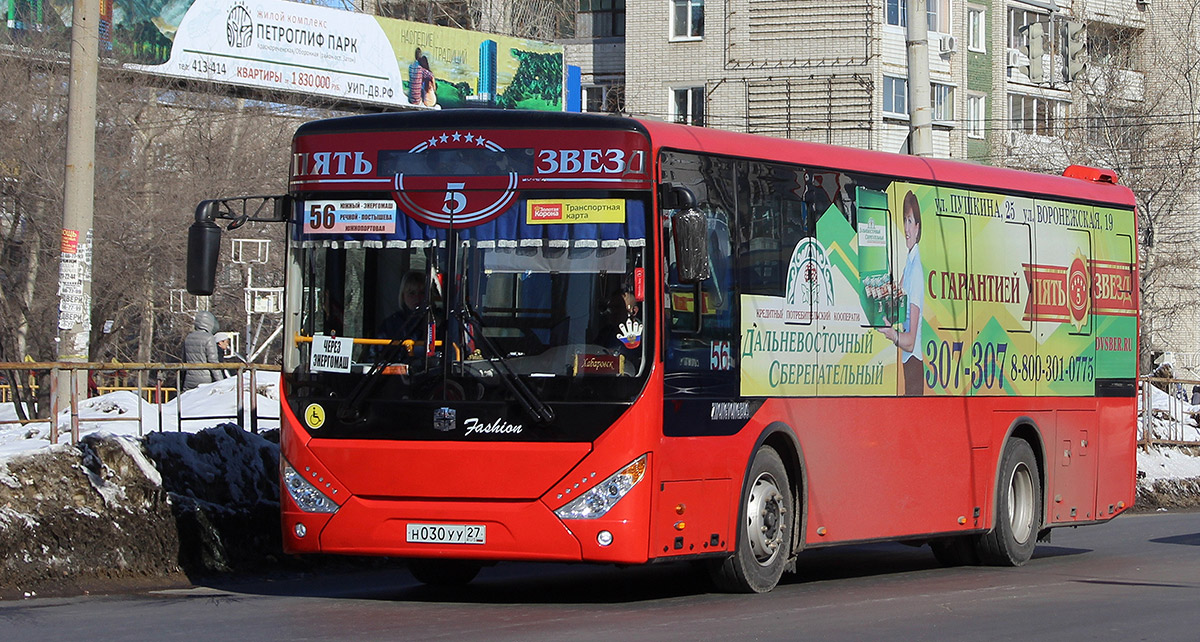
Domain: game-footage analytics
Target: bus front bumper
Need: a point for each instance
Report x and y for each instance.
(511, 530)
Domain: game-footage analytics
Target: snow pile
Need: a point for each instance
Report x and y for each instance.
(1168, 476)
(83, 511)
(130, 501)
(1166, 463)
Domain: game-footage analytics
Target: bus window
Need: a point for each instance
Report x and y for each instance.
(772, 220)
(702, 362)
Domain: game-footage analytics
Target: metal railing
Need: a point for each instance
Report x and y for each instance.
(27, 388)
(1170, 421)
(151, 395)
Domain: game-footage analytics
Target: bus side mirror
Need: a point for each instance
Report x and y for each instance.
(690, 229)
(204, 245)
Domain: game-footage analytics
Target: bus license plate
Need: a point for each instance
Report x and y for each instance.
(447, 533)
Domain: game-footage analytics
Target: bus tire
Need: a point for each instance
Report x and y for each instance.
(1018, 509)
(443, 572)
(764, 534)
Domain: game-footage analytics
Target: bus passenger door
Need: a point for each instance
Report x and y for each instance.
(699, 351)
(693, 468)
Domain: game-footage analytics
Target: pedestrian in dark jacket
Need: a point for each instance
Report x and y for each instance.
(200, 346)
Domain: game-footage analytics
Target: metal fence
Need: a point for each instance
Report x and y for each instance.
(156, 384)
(1166, 412)
(1166, 417)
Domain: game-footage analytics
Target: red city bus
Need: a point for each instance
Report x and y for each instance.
(564, 337)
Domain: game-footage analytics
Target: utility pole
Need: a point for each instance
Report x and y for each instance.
(920, 114)
(75, 257)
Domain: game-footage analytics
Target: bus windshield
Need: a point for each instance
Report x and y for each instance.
(458, 309)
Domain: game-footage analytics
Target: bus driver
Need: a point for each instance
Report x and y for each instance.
(406, 322)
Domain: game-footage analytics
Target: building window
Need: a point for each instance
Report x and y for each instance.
(1018, 20)
(895, 97)
(687, 106)
(1112, 45)
(593, 98)
(975, 115)
(687, 19)
(941, 98)
(976, 38)
(1110, 127)
(1033, 115)
(603, 98)
(897, 13)
(602, 17)
(938, 12)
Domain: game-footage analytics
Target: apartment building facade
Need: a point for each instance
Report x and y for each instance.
(837, 72)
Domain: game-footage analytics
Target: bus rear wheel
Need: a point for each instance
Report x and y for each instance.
(1018, 509)
(764, 536)
(443, 572)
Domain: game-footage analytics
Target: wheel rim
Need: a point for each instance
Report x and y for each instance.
(765, 523)
(1020, 503)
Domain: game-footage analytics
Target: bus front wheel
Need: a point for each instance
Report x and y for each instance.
(1018, 509)
(764, 535)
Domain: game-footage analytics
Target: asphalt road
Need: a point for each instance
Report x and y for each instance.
(1136, 578)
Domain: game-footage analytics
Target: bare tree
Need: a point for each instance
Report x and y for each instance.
(161, 147)
(1153, 142)
(1133, 111)
(32, 123)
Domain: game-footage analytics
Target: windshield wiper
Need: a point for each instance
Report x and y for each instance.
(350, 411)
(536, 408)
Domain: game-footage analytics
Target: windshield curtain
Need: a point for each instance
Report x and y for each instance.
(548, 301)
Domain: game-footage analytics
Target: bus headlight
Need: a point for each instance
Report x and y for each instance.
(306, 496)
(598, 500)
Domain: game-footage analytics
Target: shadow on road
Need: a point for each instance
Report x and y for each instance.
(1046, 551)
(530, 583)
(1191, 539)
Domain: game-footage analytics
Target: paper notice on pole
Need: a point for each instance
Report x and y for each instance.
(69, 270)
(74, 280)
(330, 354)
(70, 241)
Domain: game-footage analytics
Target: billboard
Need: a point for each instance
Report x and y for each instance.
(288, 46)
(948, 291)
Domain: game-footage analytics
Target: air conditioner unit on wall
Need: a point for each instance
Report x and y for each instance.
(949, 44)
(1014, 59)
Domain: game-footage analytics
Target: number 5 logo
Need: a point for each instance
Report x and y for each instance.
(455, 201)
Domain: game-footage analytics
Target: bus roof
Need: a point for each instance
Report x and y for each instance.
(484, 118)
(916, 168)
(664, 135)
